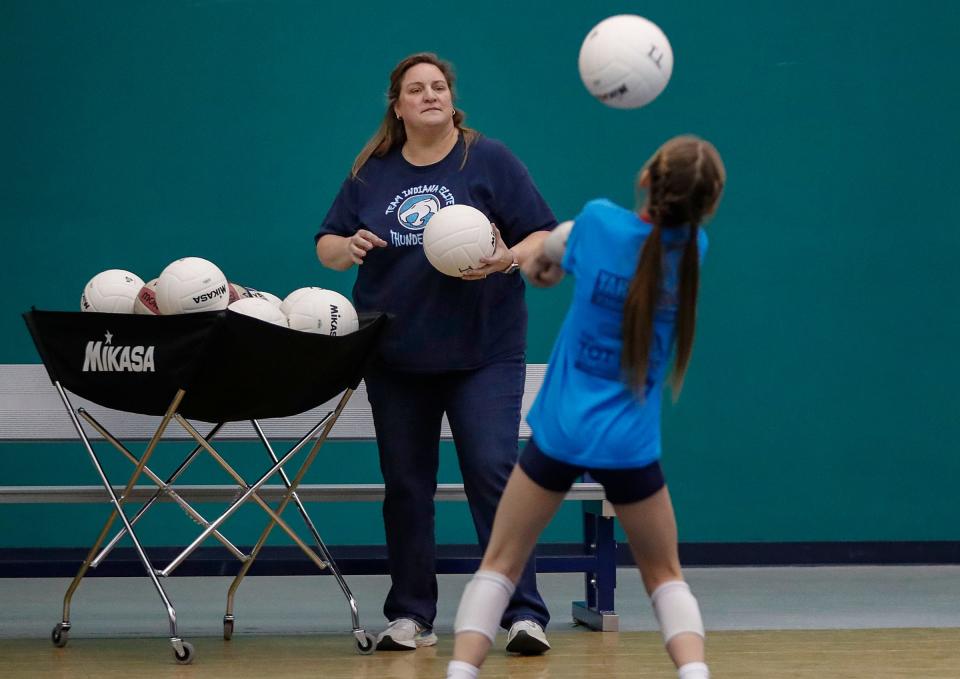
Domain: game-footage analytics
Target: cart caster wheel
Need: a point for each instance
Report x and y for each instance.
(227, 630)
(368, 645)
(60, 636)
(188, 654)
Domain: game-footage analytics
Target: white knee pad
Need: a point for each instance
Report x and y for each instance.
(676, 609)
(484, 600)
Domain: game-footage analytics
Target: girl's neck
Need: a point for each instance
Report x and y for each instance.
(426, 147)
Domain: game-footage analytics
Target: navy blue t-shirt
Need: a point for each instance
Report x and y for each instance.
(440, 322)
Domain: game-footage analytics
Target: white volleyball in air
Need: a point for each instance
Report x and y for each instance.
(146, 303)
(456, 238)
(190, 285)
(321, 311)
(625, 61)
(113, 291)
(259, 308)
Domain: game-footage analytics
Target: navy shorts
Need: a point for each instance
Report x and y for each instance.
(622, 486)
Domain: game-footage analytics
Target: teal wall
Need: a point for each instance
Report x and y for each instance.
(821, 403)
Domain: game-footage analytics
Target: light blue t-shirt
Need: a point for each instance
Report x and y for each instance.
(585, 413)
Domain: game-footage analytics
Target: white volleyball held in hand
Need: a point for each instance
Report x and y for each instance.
(321, 311)
(113, 291)
(556, 243)
(625, 61)
(259, 308)
(456, 238)
(190, 285)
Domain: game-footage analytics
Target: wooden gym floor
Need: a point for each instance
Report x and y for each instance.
(822, 623)
(820, 654)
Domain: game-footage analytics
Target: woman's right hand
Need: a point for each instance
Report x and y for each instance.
(360, 243)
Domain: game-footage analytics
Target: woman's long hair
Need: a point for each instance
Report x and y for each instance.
(391, 132)
(684, 179)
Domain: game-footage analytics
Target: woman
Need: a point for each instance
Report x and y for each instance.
(599, 407)
(455, 346)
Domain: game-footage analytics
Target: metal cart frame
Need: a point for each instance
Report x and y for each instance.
(214, 331)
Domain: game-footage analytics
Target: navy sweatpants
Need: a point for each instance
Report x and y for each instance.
(483, 408)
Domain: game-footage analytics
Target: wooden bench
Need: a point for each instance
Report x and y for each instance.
(31, 411)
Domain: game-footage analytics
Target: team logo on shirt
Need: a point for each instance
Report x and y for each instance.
(414, 207)
(597, 357)
(416, 211)
(610, 290)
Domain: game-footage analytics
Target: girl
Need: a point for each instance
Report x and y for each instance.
(598, 410)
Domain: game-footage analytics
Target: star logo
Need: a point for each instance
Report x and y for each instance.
(108, 336)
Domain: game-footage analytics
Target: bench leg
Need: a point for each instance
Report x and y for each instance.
(598, 611)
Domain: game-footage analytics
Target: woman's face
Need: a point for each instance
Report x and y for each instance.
(425, 99)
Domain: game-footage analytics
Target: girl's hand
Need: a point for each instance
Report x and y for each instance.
(541, 271)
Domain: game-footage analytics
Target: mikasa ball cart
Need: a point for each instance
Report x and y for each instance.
(196, 367)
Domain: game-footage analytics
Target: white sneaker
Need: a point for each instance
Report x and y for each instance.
(404, 634)
(527, 637)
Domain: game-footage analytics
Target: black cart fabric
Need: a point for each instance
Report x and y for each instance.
(231, 366)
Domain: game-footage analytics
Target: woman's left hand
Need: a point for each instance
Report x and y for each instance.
(498, 262)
